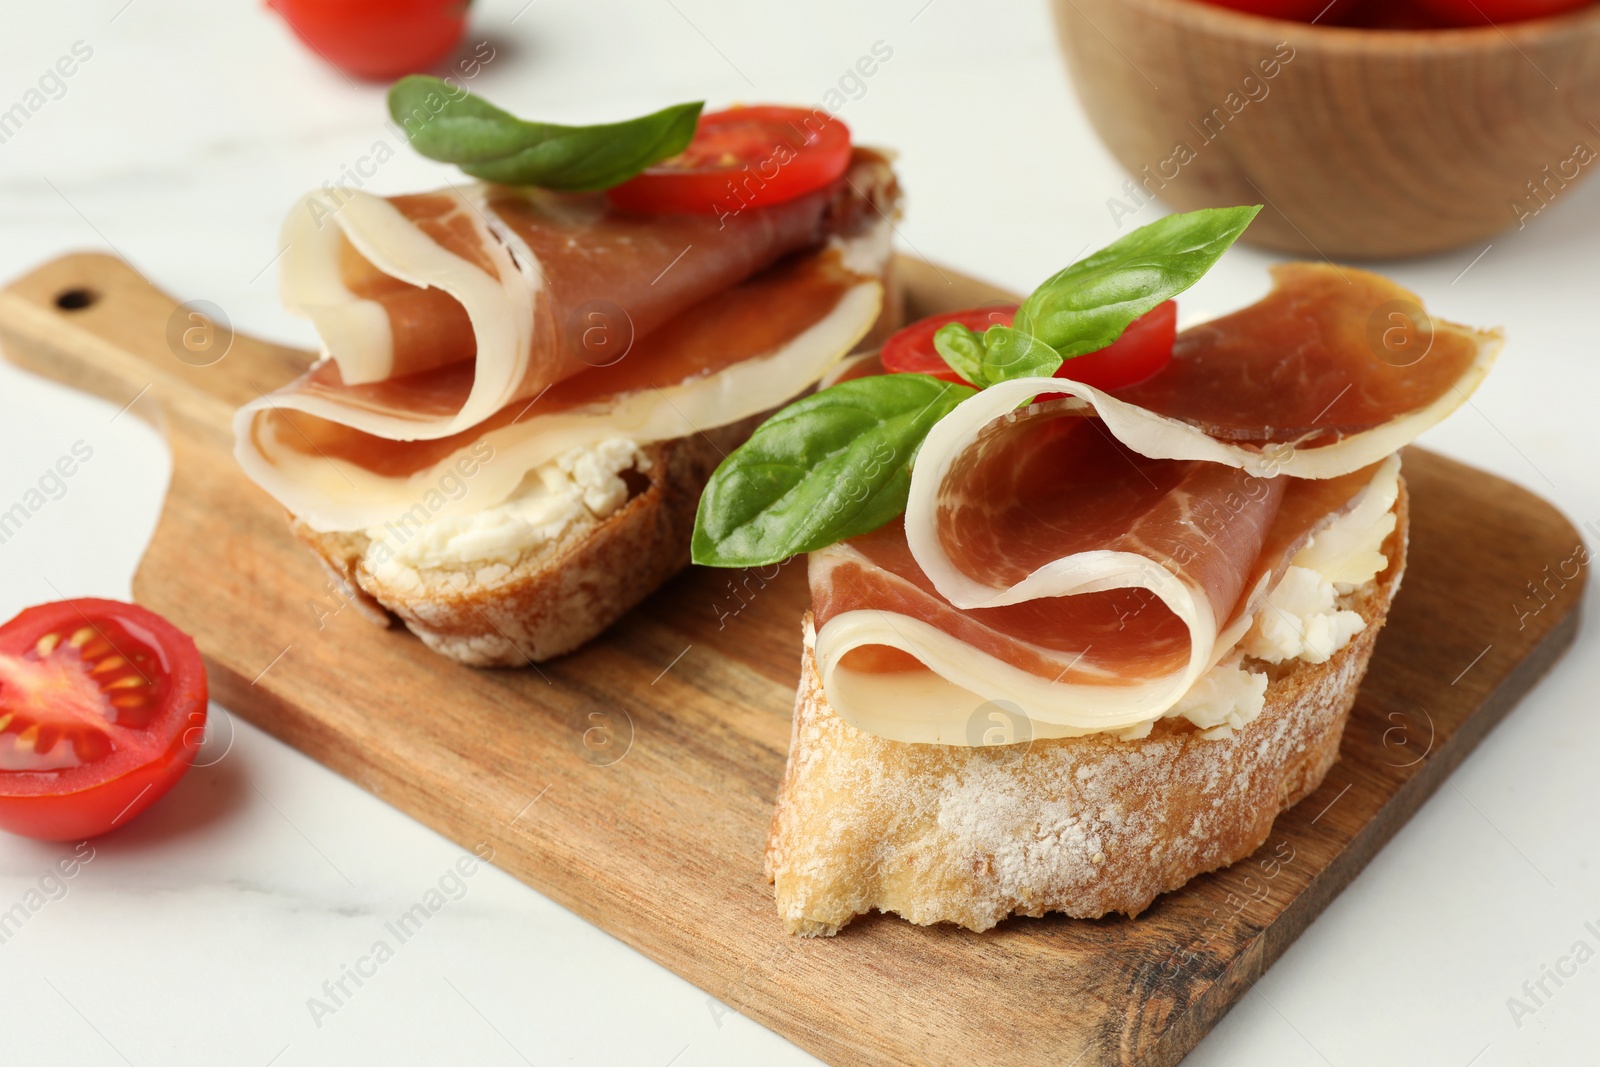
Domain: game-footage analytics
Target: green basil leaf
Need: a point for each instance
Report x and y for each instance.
(827, 467)
(1086, 307)
(1011, 353)
(962, 350)
(449, 124)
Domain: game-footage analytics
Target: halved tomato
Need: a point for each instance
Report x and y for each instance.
(910, 349)
(740, 158)
(1142, 350)
(102, 708)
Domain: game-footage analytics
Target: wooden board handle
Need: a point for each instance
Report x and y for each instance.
(91, 321)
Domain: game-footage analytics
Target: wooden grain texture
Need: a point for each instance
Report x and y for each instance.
(633, 781)
(1366, 143)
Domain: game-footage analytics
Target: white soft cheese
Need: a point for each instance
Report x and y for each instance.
(578, 488)
(1301, 618)
(1224, 699)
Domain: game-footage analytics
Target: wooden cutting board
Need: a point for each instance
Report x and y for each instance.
(633, 781)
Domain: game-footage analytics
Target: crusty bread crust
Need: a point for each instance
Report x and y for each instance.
(1084, 825)
(569, 591)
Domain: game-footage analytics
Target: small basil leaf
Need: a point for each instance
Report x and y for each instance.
(1086, 307)
(828, 467)
(1011, 353)
(451, 125)
(961, 349)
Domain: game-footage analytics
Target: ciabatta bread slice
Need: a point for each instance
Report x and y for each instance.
(564, 592)
(561, 593)
(1082, 825)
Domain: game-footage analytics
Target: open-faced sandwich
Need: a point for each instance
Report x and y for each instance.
(528, 378)
(1091, 598)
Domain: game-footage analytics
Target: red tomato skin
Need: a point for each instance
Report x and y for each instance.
(104, 806)
(1296, 10)
(1142, 350)
(378, 40)
(1487, 12)
(910, 348)
(91, 805)
(1323, 12)
(760, 174)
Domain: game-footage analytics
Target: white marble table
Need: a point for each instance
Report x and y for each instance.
(200, 934)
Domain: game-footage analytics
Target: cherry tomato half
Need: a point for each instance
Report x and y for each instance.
(377, 39)
(1484, 12)
(740, 158)
(911, 348)
(102, 708)
(1144, 347)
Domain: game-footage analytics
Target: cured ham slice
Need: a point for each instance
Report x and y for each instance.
(438, 310)
(737, 354)
(1098, 585)
(1088, 559)
(1298, 383)
(444, 317)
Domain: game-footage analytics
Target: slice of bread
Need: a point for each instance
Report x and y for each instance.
(564, 592)
(1083, 825)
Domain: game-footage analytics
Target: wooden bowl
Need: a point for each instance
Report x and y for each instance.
(1363, 143)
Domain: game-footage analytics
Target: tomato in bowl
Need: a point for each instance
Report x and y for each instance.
(102, 709)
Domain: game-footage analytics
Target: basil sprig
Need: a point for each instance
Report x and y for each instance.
(827, 467)
(451, 125)
(1086, 307)
(837, 464)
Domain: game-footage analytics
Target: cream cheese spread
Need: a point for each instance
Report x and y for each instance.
(577, 489)
(1301, 618)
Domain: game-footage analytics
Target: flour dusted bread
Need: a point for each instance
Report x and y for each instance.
(1086, 826)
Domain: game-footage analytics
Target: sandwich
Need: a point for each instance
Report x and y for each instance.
(526, 378)
(1091, 598)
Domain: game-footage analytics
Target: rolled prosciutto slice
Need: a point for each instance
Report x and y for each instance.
(438, 310)
(1091, 557)
(455, 323)
(1317, 379)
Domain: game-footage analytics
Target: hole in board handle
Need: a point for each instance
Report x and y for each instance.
(76, 299)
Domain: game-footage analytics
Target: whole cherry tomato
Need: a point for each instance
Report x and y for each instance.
(377, 39)
(1296, 10)
(1484, 12)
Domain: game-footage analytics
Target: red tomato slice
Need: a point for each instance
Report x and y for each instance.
(740, 158)
(102, 708)
(1144, 347)
(377, 39)
(911, 348)
(1484, 12)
